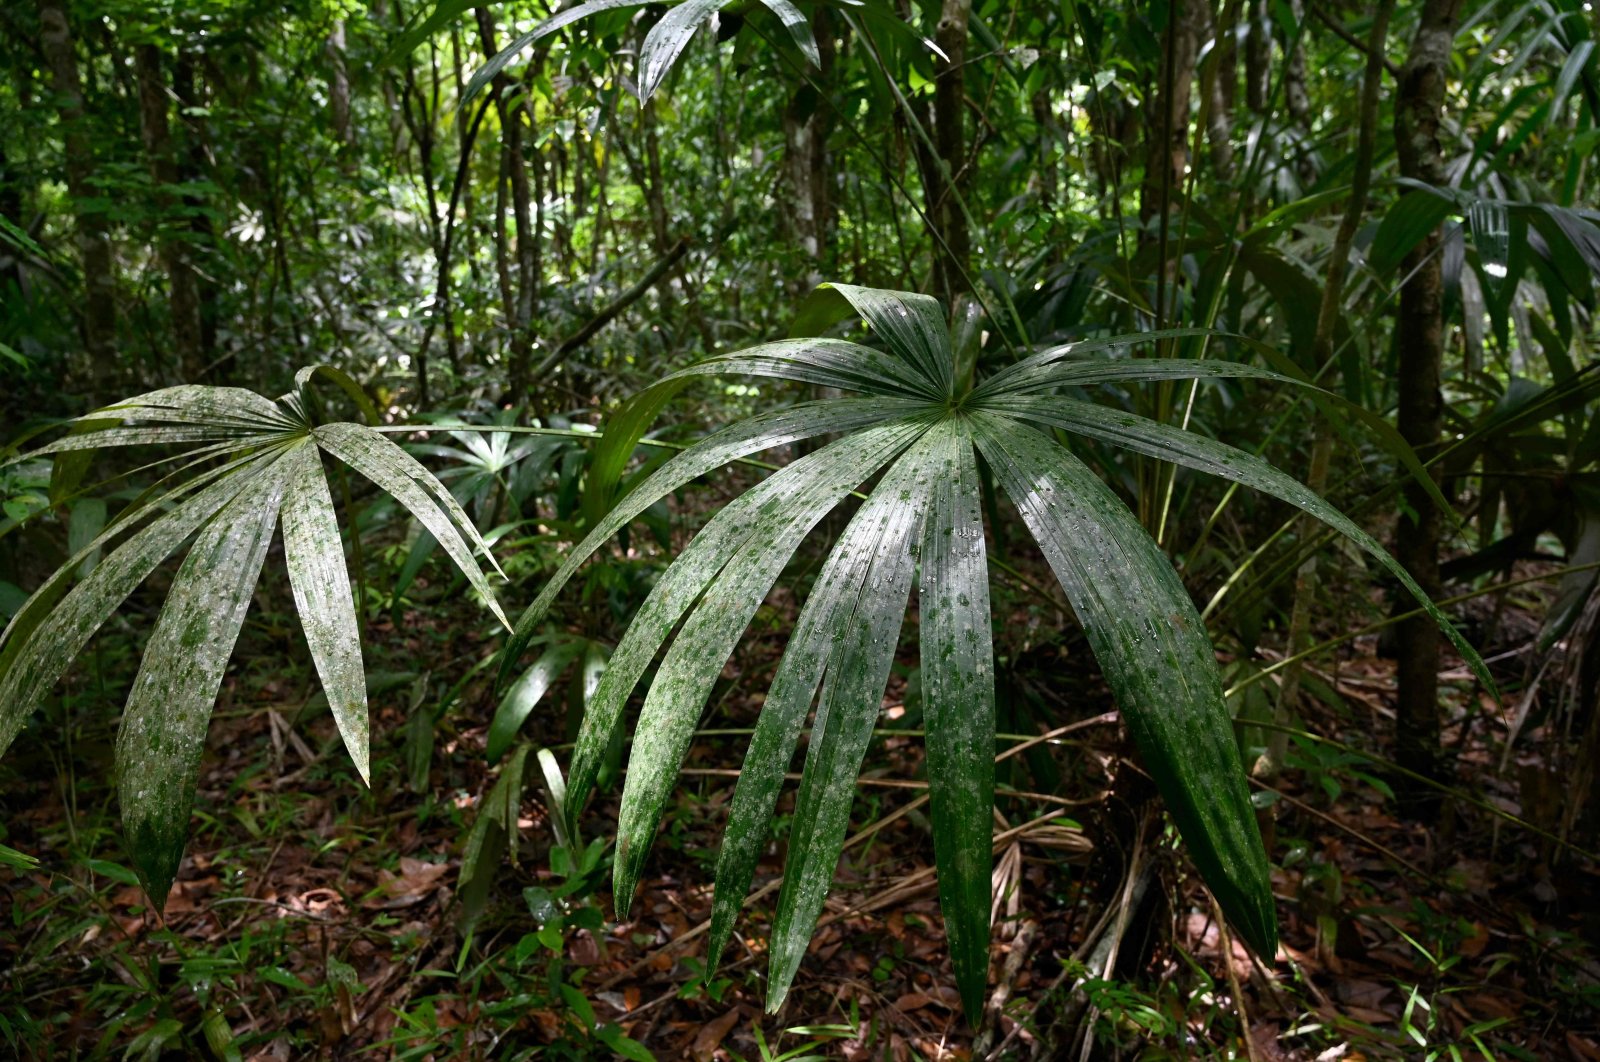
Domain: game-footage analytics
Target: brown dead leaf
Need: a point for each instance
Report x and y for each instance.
(1583, 1047)
(711, 1035)
(1473, 946)
(416, 881)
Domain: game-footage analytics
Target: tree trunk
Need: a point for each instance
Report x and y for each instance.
(1224, 90)
(807, 121)
(193, 167)
(183, 298)
(1258, 57)
(953, 257)
(528, 231)
(1420, 340)
(339, 97)
(94, 242)
(1167, 122)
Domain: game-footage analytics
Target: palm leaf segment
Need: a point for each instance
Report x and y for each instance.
(921, 524)
(258, 466)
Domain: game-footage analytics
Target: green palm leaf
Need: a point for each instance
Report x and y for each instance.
(164, 725)
(233, 508)
(1153, 649)
(958, 690)
(1140, 621)
(314, 556)
(847, 710)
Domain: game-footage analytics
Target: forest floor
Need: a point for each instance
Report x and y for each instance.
(316, 918)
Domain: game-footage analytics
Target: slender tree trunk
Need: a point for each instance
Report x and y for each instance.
(193, 166)
(1420, 340)
(93, 237)
(183, 298)
(1167, 122)
(528, 231)
(807, 121)
(1295, 94)
(1322, 353)
(1258, 57)
(1224, 90)
(953, 259)
(339, 97)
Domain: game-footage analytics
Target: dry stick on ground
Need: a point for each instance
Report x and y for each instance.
(1132, 895)
(1225, 940)
(860, 837)
(1020, 948)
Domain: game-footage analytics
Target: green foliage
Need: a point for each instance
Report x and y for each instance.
(918, 433)
(270, 454)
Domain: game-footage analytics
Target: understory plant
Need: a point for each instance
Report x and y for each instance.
(249, 465)
(921, 431)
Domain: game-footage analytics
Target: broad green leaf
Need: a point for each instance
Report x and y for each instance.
(413, 486)
(36, 606)
(799, 29)
(667, 39)
(1044, 375)
(1413, 216)
(42, 639)
(1152, 648)
(815, 483)
(138, 436)
(849, 706)
(1186, 448)
(525, 694)
(810, 647)
(508, 55)
(1013, 376)
(164, 724)
(341, 379)
(87, 523)
(443, 13)
(616, 447)
(958, 698)
(911, 326)
(761, 432)
(314, 554)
